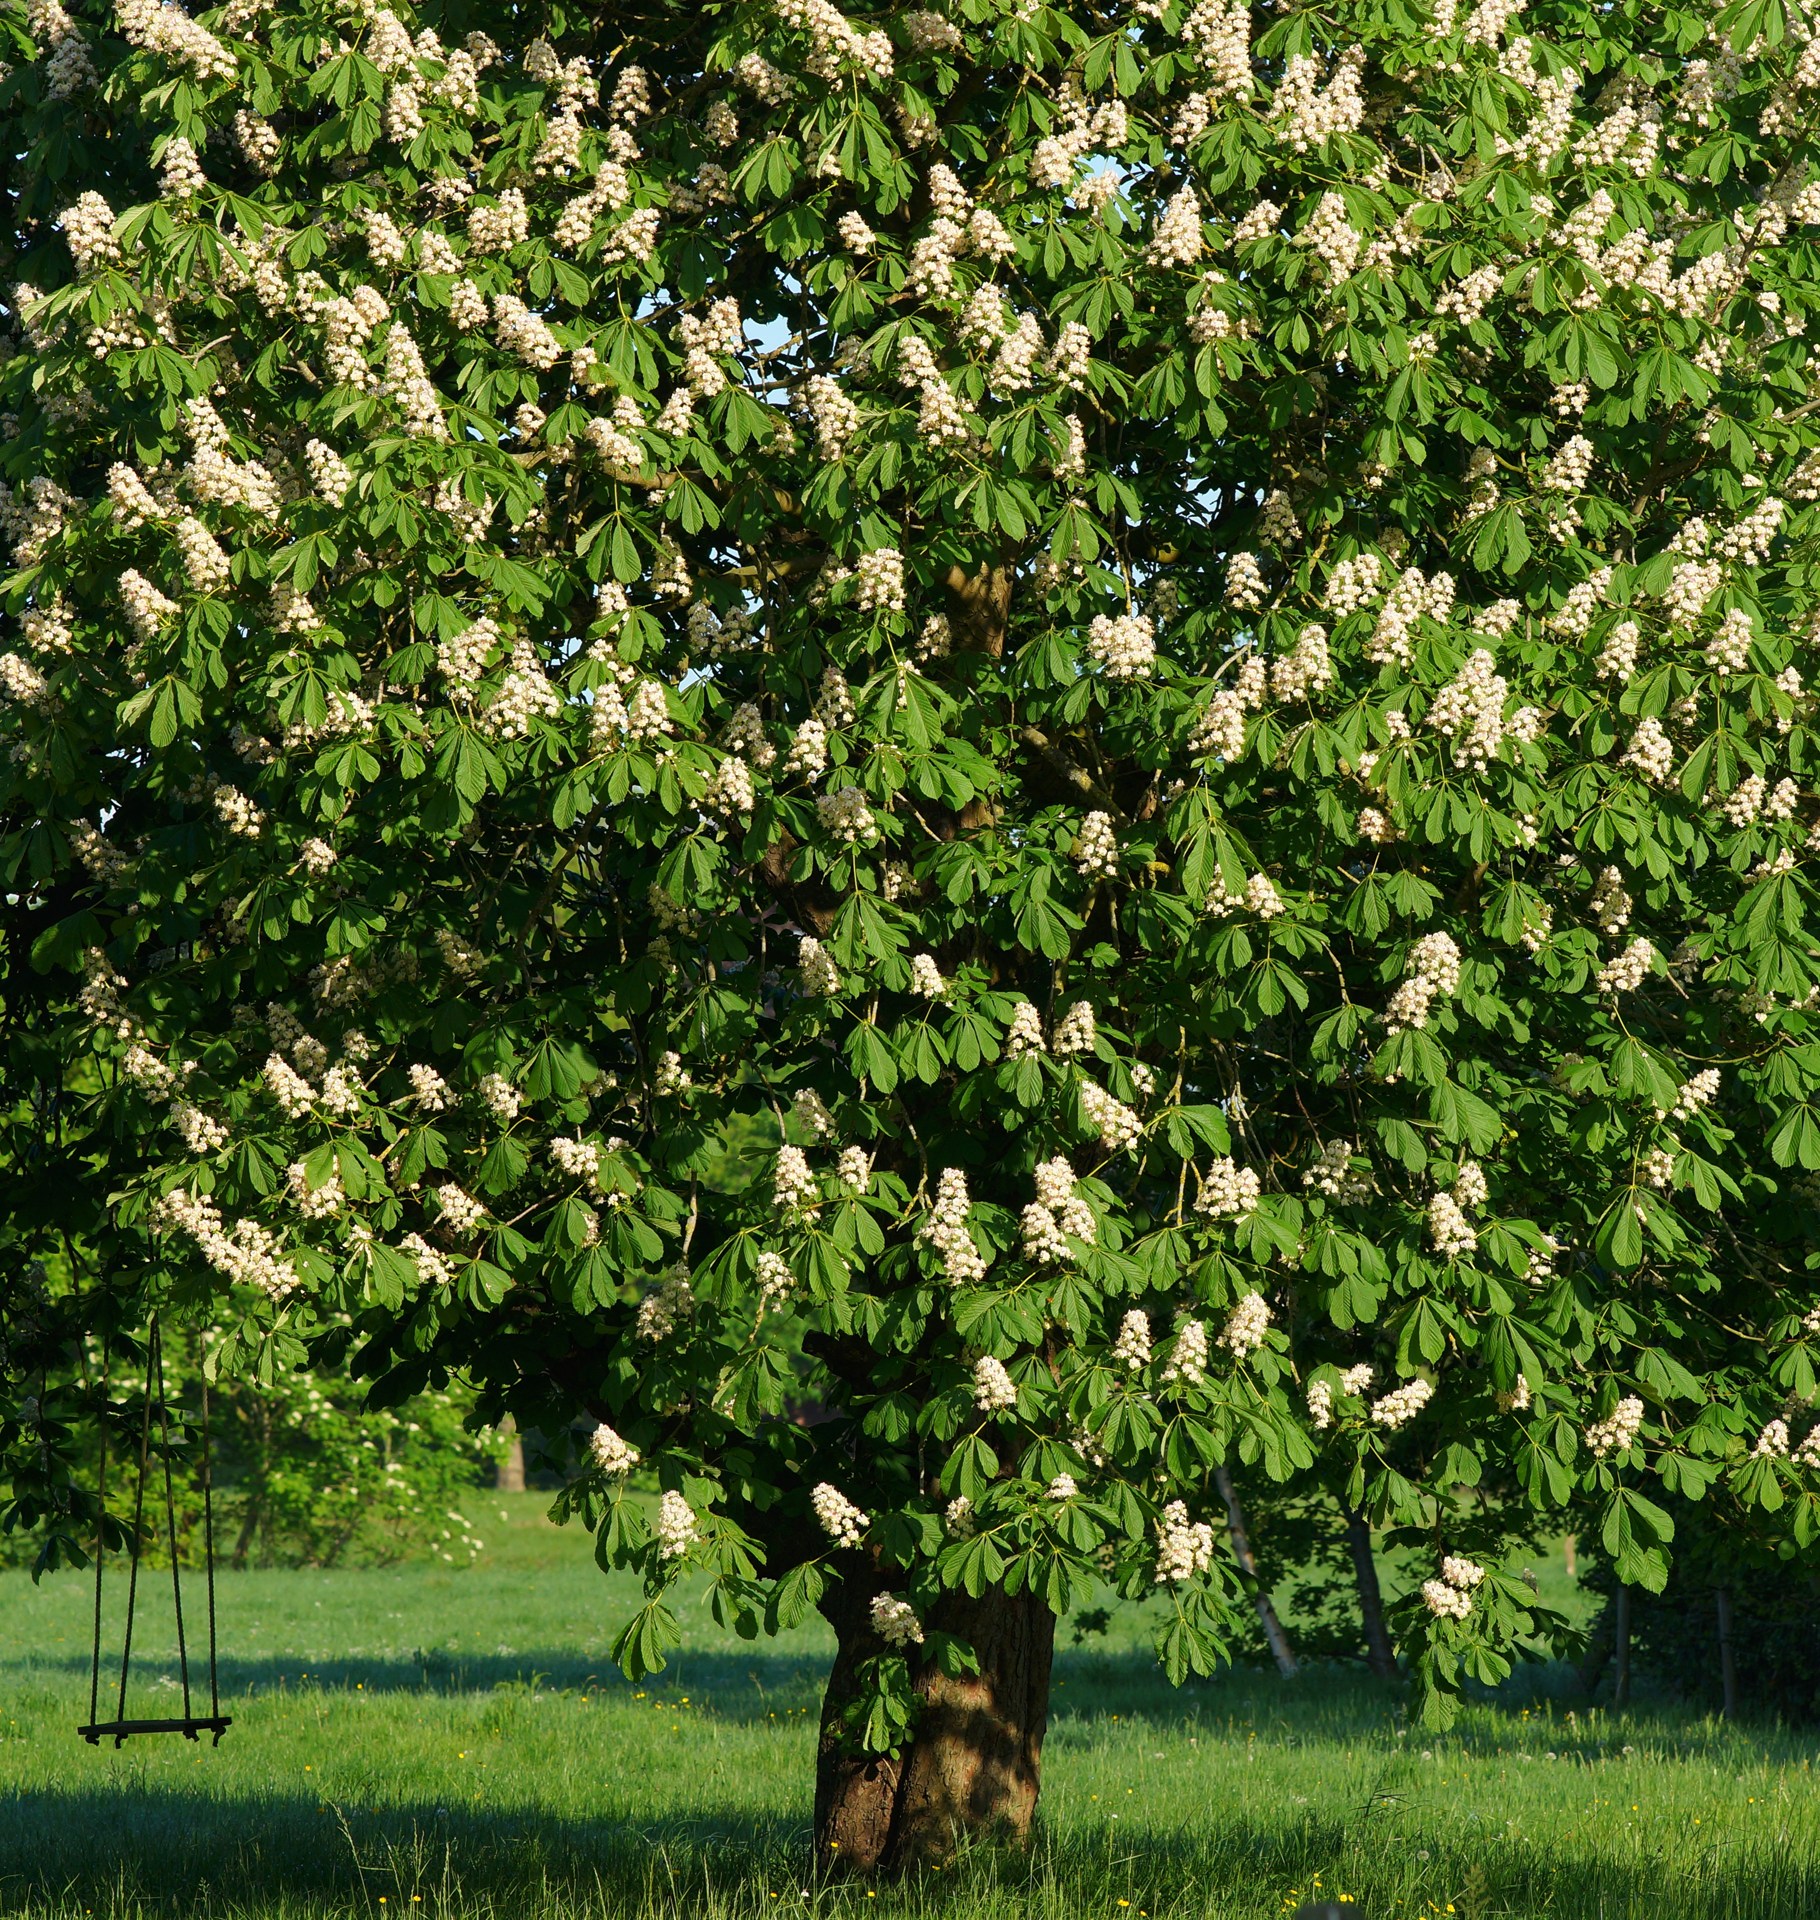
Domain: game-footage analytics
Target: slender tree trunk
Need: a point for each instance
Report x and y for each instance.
(1280, 1648)
(973, 1763)
(509, 1474)
(1620, 1692)
(1598, 1651)
(1728, 1664)
(1380, 1656)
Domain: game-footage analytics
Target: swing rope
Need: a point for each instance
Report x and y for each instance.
(120, 1728)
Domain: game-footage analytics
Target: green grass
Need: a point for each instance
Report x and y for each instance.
(421, 1741)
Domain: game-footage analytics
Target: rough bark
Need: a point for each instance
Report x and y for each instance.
(973, 1765)
(509, 1473)
(1598, 1650)
(1620, 1692)
(1280, 1649)
(1728, 1659)
(1380, 1655)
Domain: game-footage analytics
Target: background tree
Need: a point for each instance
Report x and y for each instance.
(1180, 644)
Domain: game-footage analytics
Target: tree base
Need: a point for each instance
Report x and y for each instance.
(973, 1766)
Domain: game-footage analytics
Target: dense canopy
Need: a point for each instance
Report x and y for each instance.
(944, 762)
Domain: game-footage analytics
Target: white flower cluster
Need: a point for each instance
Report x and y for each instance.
(1229, 1191)
(1074, 1032)
(1246, 1329)
(1306, 669)
(1651, 752)
(459, 1207)
(815, 966)
(1115, 1123)
(611, 1454)
(1413, 597)
(1188, 1356)
(845, 816)
(1618, 1431)
(1400, 1406)
(1628, 970)
(1433, 969)
(1245, 588)
(945, 1228)
(677, 1529)
(1096, 850)
(1026, 1031)
(993, 1391)
(662, 1310)
(776, 1282)
(1449, 1229)
(793, 1185)
(894, 1619)
(1125, 646)
(1131, 1347)
(1469, 711)
(246, 1253)
(837, 1516)
(1183, 1547)
(1696, 1093)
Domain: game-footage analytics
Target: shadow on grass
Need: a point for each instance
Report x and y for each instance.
(123, 1853)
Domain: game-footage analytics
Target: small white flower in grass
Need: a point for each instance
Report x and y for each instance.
(677, 1529)
(837, 1516)
(611, 1455)
(895, 1621)
(993, 1391)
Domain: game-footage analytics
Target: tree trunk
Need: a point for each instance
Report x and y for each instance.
(1598, 1651)
(1620, 1691)
(973, 1762)
(1380, 1656)
(1280, 1649)
(1728, 1663)
(509, 1474)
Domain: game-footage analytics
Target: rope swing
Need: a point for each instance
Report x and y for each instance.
(120, 1729)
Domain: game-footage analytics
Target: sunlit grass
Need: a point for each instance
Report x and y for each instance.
(417, 1741)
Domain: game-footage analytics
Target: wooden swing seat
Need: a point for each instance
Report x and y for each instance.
(120, 1731)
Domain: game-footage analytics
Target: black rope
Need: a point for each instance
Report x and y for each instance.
(132, 1580)
(170, 1517)
(94, 1677)
(208, 1552)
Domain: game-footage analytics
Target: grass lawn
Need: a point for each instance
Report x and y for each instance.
(416, 1741)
